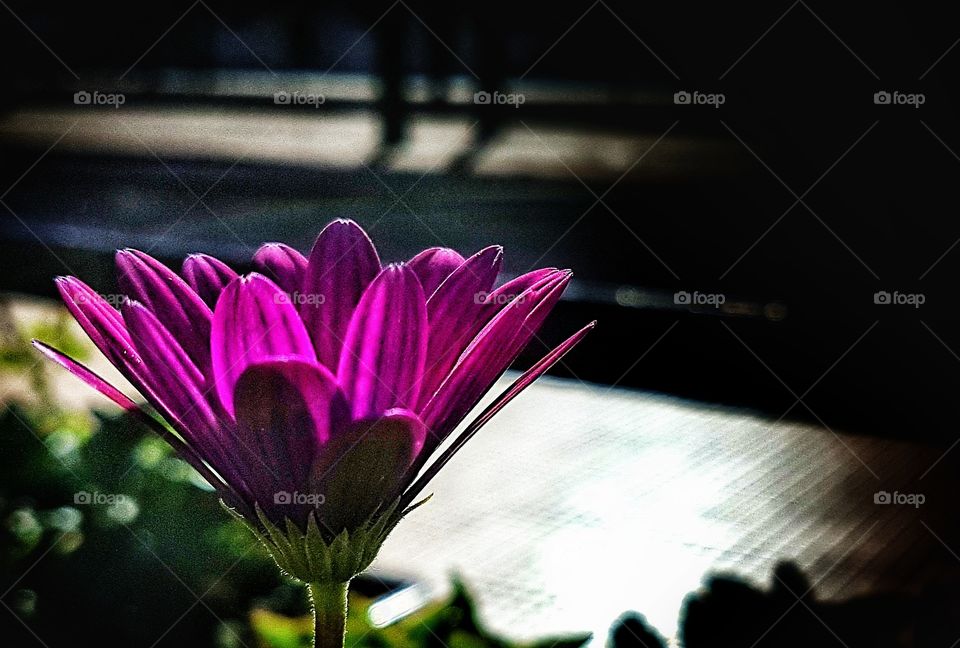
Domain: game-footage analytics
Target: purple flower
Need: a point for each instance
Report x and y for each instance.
(315, 390)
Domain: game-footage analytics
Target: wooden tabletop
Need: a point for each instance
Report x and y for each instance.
(580, 502)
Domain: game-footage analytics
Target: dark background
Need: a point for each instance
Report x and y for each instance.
(798, 199)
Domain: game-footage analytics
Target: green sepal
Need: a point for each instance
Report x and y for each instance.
(309, 558)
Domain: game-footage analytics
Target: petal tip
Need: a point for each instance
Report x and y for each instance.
(343, 222)
(346, 224)
(256, 277)
(127, 259)
(128, 304)
(496, 251)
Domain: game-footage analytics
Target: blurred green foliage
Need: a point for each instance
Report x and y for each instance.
(106, 538)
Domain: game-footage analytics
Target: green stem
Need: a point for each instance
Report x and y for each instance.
(329, 613)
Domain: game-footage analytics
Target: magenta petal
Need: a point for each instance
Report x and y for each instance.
(169, 370)
(172, 374)
(363, 469)
(186, 452)
(488, 356)
(105, 327)
(415, 429)
(551, 295)
(509, 291)
(253, 321)
(343, 262)
(525, 380)
(283, 413)
(454, 313)
(528, 311)
(208, 276)
(87, 376)
(503, 296)
(433, 265)
(176, 305)
(99, 320)
(283, 264)
(383, 357)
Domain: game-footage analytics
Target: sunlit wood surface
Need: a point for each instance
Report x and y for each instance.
(580, 502)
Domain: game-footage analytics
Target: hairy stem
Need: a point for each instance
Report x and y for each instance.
(329, 613)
